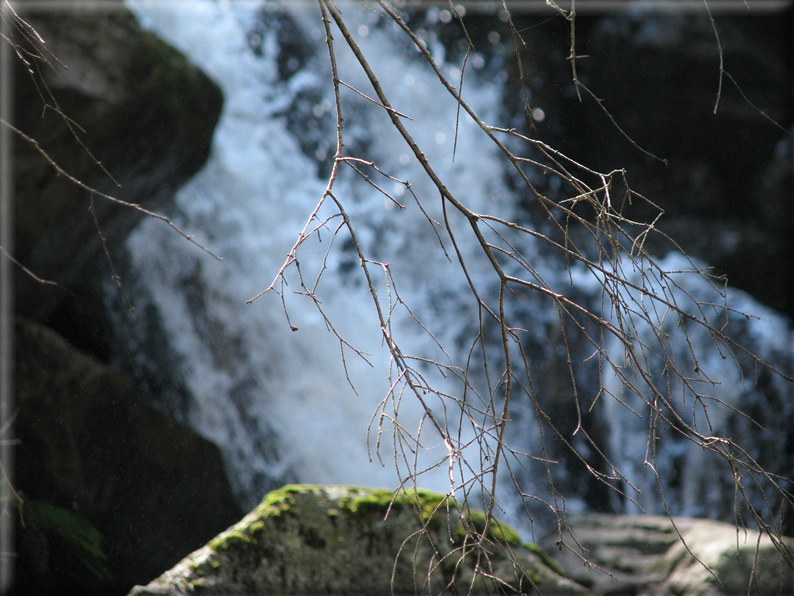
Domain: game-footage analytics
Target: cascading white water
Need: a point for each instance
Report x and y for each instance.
(727, 381)
(280, 403)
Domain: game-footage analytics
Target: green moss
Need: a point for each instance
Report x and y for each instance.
(279, 502)
(474, 522)
(504, 533)
(232, 537)
(370, 504)
(433, 503)
(431, 507)
(343, 528)
(218, 543)
(242, 536)
(374, 501)
(169, 72)
(543, 555)
(198, 570)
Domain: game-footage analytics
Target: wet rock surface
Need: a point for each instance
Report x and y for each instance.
(654, 556)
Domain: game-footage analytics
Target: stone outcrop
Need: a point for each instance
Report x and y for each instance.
(340, 540)
(649, 556)
(113, 491)
(129, 101)
(92, 447)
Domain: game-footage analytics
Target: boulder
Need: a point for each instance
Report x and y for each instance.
(343, 540)
(113, 492)
(128, 101)
(656, 556)
(102, 473)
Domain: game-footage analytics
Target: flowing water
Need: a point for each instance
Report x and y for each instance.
(288, 405)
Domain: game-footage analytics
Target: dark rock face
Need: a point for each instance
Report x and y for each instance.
(116, 492)
(137, 105)
(727, 189)
(92, 446)
(644, 556)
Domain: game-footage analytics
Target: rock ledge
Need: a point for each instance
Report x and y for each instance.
(643, 555)
(346, 540)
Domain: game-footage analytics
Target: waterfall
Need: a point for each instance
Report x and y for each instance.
(279, 402)
(295, 406)
(727, 380)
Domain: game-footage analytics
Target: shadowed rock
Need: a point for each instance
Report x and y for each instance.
(129, 101)
(93, 449)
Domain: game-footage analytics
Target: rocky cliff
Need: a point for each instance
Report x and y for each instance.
(112, 492)
(94, 454)
(100, 91)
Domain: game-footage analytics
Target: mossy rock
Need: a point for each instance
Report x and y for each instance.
(346, 540)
